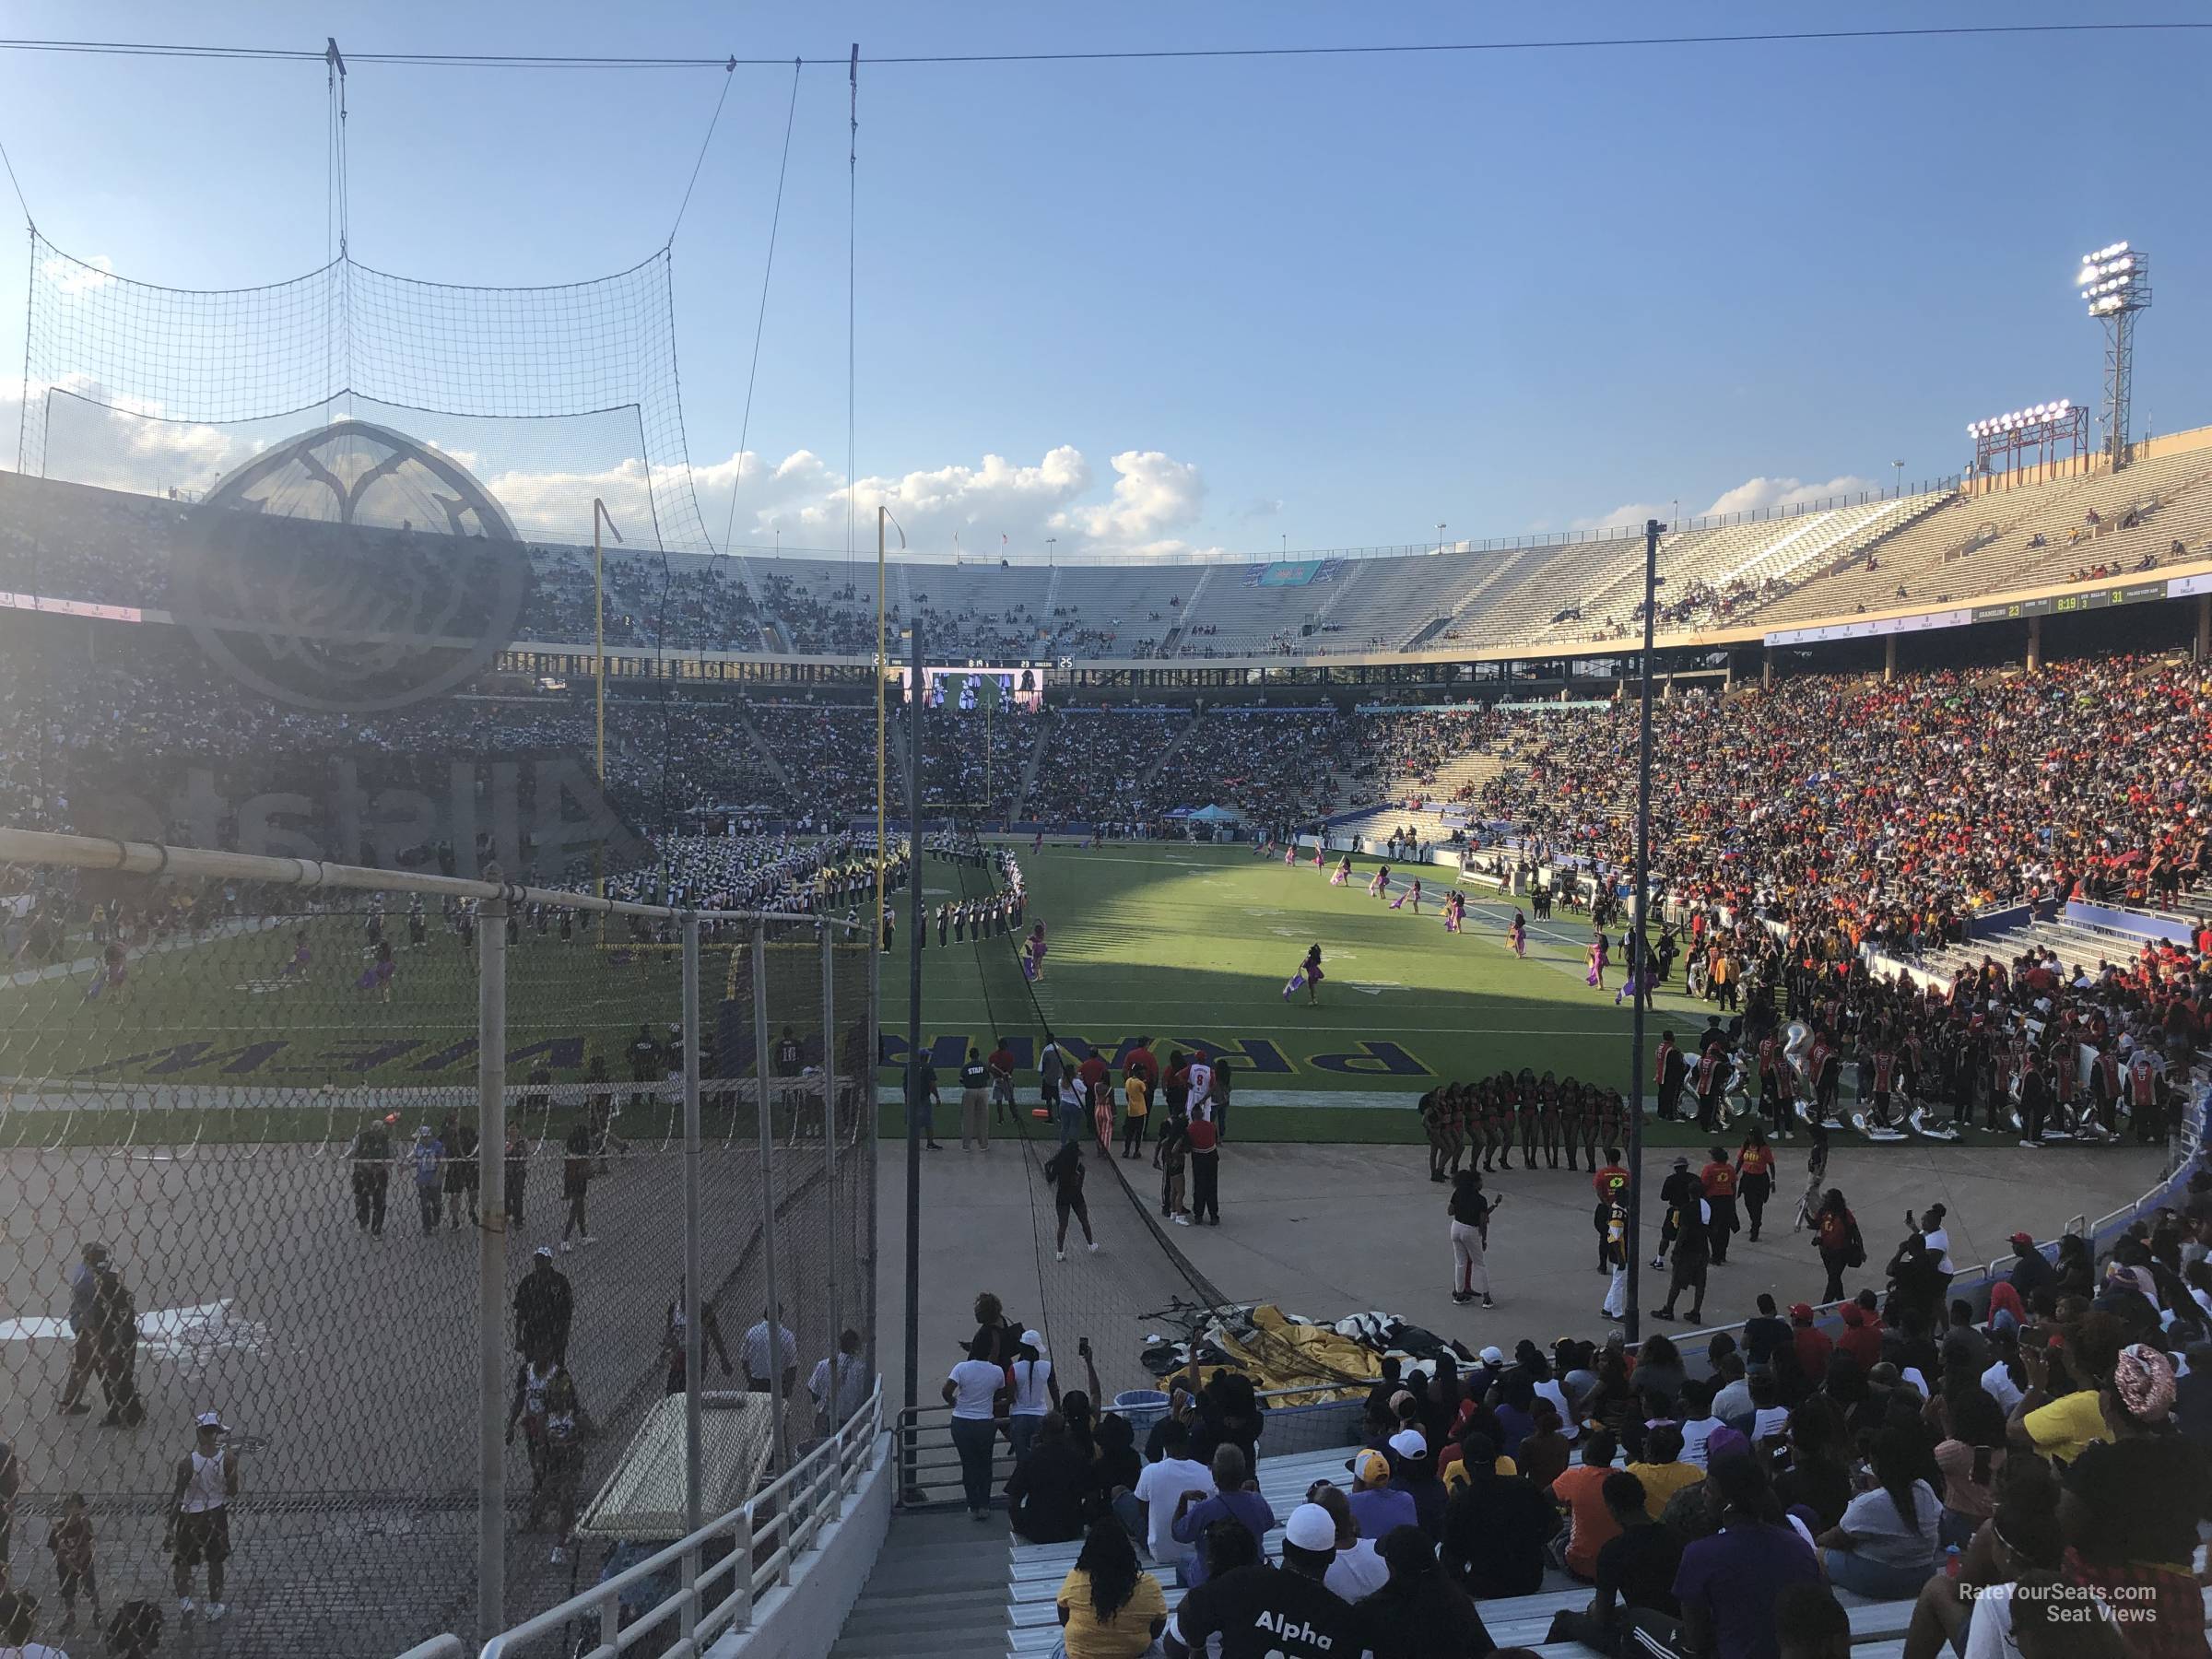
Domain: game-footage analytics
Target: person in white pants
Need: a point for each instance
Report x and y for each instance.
(1470, 1237)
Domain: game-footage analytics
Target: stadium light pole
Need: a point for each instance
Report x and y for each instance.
(914, 1049)
(599, 516)
(2115, 282)
(1635, 953)
(883, 671)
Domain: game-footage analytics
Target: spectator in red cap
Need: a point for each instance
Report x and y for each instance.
(1809, 1342)
(2031, 1269)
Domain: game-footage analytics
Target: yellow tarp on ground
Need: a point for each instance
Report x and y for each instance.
(1282, 1353)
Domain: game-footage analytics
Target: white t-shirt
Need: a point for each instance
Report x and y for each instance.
(1695, 1434)
(975, 1383)
(1880, 1533)
(1358, 1573)
(1549, 1390)
(1770, 1420)
(1032, 1397)
(1939, 1246)
(2001, 1388)
(754, 1352)
(1161, 1486)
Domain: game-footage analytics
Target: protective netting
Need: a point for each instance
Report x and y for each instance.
(238, 1173)
(559, 391)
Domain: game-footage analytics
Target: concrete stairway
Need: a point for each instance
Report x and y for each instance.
(939, 1587)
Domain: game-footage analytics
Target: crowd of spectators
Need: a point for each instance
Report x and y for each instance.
(1981, 1465)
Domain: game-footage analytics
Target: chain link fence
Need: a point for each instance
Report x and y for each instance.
(252, 1163)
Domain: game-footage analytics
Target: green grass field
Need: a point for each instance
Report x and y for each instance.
(1192, 944)
(1186, 944)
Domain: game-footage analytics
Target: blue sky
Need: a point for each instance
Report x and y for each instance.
(1217, 304)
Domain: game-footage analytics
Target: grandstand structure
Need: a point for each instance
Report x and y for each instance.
(1913, 558)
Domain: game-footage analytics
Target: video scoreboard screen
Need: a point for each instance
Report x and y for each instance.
(980, 687)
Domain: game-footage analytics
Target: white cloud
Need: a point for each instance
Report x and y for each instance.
(1154, 494)
(72, 277)
(1759, 494)
(1753, 495)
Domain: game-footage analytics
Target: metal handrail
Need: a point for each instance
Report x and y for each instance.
(438, 1647)
(802, 1498)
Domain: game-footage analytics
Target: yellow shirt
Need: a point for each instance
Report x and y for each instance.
(1662, 1481)
(1124, 1636)
(2063, 1428)
(1455, 1472)
(1134, 1090)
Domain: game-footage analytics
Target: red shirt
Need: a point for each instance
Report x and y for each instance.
(1863, 1342)
(1718, 1180)
(1001, 1062)
(1813, 1349)
(1141, 1061)
(1204, 1137)
(1093, 1072)
(1609, 1180)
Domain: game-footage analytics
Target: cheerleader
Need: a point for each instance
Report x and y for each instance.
(1290, 853)
(1320, 853)
(1413, 896)
(1378, 884)
(1517, 935)
(1455, 910)
(1343, 872)
(1599, 952)
(1032, 954)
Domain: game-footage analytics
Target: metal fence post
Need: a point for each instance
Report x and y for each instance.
(491, 1267)
(837, 1243)
(779, 1456)
(694, 1369)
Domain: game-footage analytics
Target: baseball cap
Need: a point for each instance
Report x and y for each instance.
(1408, 1442)
(1801, 1310)
(1311, 1527)
(1493, 1355)
(1371, 1466)
(2021, 1238)
(212, 1419)
(1031, 1339)
(544, 1250)
(1682, 1163)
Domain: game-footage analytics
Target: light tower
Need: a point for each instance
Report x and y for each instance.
(2115, 282)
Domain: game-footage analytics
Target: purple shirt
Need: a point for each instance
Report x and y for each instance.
(1735, 1576)
(1377, 1511)
(1247, 1507)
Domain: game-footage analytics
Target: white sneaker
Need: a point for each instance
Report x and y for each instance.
(567, 1246)
(185, 1606)
(1094, 1247)
(214, 1610)
(1061, 1256)
(1182, 1220)
(2033, 1146)
(559, 1556)
(587, 1239)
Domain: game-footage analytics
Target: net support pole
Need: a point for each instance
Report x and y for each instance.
(778, 1461)
(694, 1369)
(829, 1204)
(916, 921)
(491, 1268)
(1634, 1310)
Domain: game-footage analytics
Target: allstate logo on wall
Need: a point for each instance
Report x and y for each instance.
(351, 569)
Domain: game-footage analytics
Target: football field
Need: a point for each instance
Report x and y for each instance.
(1192, 944)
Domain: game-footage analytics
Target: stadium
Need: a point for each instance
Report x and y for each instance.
(536, 1030)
